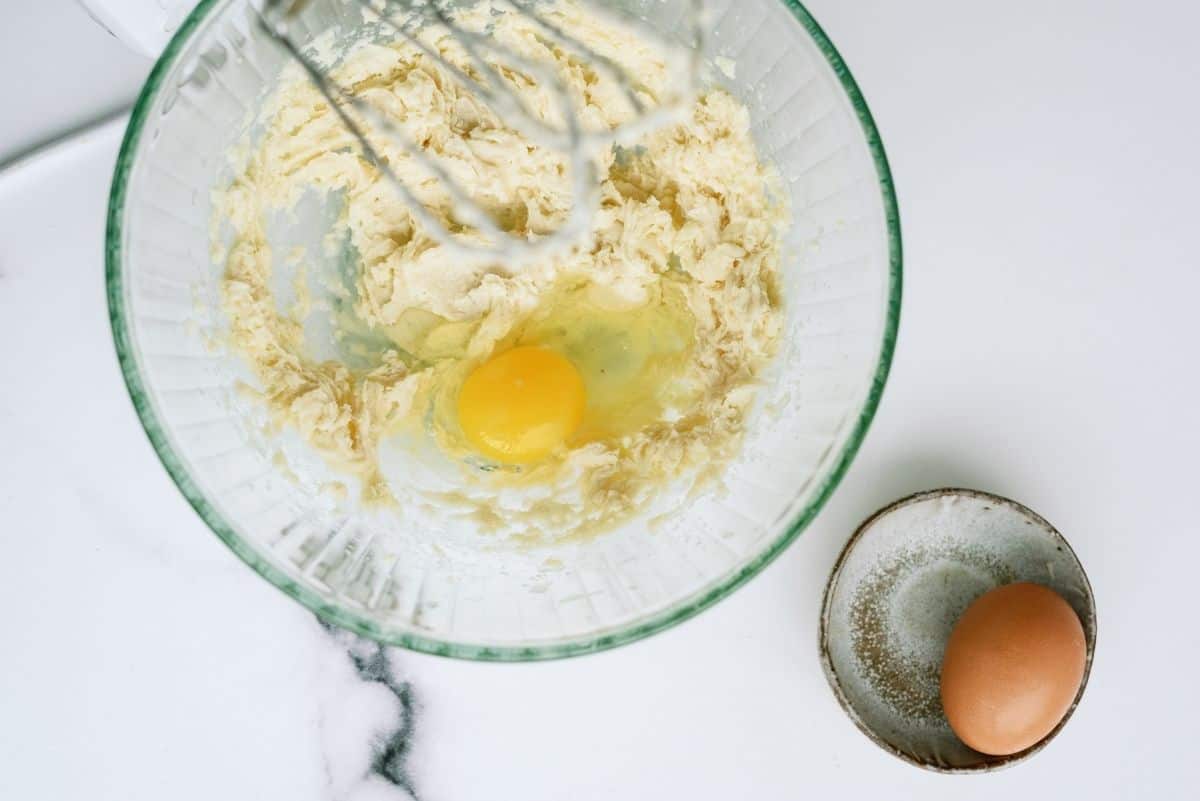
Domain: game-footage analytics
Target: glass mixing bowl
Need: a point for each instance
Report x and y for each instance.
(841, 294)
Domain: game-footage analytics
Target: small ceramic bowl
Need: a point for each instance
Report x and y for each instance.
(897, 590)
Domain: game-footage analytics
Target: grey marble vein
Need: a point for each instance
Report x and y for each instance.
(390, 748)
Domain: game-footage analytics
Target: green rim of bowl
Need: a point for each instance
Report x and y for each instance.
(349, 620)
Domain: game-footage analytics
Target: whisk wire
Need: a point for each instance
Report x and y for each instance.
(498, 94)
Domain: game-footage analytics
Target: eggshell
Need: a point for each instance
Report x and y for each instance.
(1012, 668)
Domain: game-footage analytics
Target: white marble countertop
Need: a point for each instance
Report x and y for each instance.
(1047, 170)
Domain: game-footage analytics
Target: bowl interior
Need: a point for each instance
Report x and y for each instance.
(411, 586)
(898, 589)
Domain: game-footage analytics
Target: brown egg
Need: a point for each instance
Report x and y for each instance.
(1012, 667)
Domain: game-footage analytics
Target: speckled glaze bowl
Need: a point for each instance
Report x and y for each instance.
(897, 590)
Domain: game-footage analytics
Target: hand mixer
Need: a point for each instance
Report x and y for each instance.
(407, 21)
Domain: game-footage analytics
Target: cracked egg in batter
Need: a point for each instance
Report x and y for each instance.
(559, 395)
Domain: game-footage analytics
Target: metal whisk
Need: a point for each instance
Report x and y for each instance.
(407, 19)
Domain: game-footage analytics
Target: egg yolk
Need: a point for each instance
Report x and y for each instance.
(519, 406)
